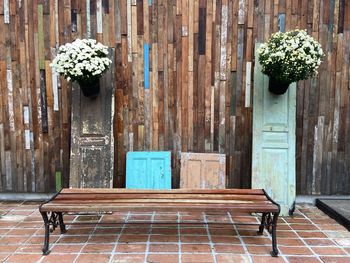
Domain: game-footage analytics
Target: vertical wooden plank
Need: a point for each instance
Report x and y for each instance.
(10, 109)
(171, 93)
(249, 45)
(155, 99)
(261, 21)
(146, 21)
(315, 19)
(140, 22)
(41, 38)
(208, 74)
(190, 35)
(177, 70)
(148, 120)
(117, 21)
(234, 36)
(247, 102)
(184, 75)
(241, 12)
(2, 157)
(162, 36)
(282, 22)
(317, 157)
(250, 13)
(223, 51)
(6, 11)
(216, 70)
(44, 120)
(190, 74)
(88, 21)
(146, 65)
(129, 29)
(212, 117)
(202, 30)
(161, 111)
(222, 92)
(99, 22)
(134, 20)
(341, 16)
(3, 124)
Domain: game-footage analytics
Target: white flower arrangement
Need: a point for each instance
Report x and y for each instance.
(290, 56)
(82, 60)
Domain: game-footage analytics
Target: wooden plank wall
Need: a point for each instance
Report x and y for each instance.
(183, 83)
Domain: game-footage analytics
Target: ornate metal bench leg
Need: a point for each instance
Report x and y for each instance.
(46, 250)
(262, 224)
(62, 225)
(274, 251)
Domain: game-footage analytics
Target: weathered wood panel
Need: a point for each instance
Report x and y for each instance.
(183, 83)
(203, 170)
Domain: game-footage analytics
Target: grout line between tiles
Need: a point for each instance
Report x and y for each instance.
(149, 237)
(179, 236)
(120, 234)
(86, 242)
(212, 249)
(240, 238)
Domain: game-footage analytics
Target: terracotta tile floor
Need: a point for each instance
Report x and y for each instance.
(308, 236)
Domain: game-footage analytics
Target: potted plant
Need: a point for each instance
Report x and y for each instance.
(83, 61)
(289, 57)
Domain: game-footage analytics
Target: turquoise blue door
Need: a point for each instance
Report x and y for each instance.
(148, 170)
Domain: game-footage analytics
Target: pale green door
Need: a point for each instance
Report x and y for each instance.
(273, 162)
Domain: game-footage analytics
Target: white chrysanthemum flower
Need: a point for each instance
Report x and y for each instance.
(290, 56)
(81, 60)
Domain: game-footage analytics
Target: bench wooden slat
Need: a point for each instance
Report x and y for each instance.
(172, 191)
(157, 208)
(118, 196)
(160, 201)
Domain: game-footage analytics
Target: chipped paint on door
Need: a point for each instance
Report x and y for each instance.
(273, 162)
(92, 147)
(203, 170)
(148, 170)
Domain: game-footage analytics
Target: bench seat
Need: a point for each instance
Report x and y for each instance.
(176, 200)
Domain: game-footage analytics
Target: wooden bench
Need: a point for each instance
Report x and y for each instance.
(177, 200)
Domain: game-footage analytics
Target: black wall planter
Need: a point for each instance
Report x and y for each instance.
(277, 87)
(90, 88)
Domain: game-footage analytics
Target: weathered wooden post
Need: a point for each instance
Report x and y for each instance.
(273, 160)
(92, 147)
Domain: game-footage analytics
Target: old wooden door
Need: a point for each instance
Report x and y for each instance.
(203, 170)
(148, 170)
(91, 160)
(273, 162)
